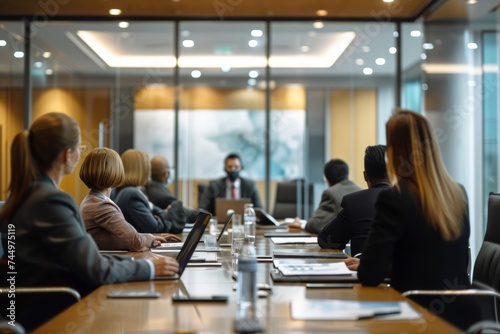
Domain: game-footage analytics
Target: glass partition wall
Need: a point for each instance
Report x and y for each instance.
(288, 96)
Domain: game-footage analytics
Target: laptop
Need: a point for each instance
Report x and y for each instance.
(189, 245)
(222, 205)
(228, 219)
(266, 221)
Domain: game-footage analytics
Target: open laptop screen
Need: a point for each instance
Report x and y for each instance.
(192, 240)
(228, 219)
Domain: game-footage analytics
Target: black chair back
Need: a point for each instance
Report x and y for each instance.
(487, 267)
(291, 200)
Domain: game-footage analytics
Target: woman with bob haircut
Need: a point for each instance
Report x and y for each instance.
(419, 237)
(52, 246)
(138, 211)
(102, 170)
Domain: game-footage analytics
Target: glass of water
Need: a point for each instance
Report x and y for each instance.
(238, 235)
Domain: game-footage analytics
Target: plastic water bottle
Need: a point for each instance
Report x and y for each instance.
(249, 223)
(237, 237)
(246, 290)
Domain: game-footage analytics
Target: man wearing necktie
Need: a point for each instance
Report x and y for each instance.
(231, 187)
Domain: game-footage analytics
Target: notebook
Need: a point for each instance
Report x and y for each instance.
(222, 205)
(190, 244)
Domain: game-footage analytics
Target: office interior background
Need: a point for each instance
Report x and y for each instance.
(288, 84)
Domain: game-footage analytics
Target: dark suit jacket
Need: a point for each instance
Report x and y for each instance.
(136, 210)
(159, 194)
(53, 249)
(353, 221)
(217, 189)
(401, 239)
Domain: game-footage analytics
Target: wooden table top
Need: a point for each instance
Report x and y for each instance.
(98, 314)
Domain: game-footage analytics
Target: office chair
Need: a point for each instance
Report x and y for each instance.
(36, 305)
(288, 199)
(462, 308)
(477, 328)
(486, 273)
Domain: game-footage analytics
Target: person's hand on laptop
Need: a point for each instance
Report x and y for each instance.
(165, 266)
(167, 237)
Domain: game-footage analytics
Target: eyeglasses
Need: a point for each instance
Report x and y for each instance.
(81, 148)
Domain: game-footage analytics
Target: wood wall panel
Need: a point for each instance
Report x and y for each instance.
(353, 114)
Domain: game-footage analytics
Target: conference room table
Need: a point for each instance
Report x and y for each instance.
(96, 313)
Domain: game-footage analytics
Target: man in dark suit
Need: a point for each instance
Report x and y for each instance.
(358, 208)
(157, 191)
(231, 187)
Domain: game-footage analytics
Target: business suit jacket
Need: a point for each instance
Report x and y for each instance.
(330, 205)
(160, 196)
(217, 189)
(105, 222)
(353, 220)
(53, 249)
(136, 210)
(403, 245)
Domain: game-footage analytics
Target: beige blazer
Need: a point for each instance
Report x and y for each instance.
(105, 222)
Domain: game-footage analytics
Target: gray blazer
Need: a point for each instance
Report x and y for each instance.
(53, 249)
(330, 205)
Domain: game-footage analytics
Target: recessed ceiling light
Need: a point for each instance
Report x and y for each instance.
(471, 2)
(185, 33)
(3, 42)
(425, 86)
(38, 64)
(252, 43)
(256, 33)
(18, 54)
(46, 54)
(187, 43)
(395, 34)
(472, 46)
(423, 56)
(304, 48)
(252, 82)
(123, 25)
(392, 50)
(225, 69)
(427, 46)
(415, 33)
(196, 74)
(380, 61)
(322, 12)
(367, 71)
(115, 11)
(388, 1)
(49, 71)
(360, 62)
(366, 49)
(253, 74)
(318, 25)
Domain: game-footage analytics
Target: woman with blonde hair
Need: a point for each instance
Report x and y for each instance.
(102, 170)
(419, 237)
(136, 208)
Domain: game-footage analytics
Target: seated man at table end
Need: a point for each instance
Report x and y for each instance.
(233, 186)
(358, 208)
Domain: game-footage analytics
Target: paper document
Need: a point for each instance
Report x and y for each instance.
(296, 269)
(328, 309)
(294, 240)
(171, 244)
